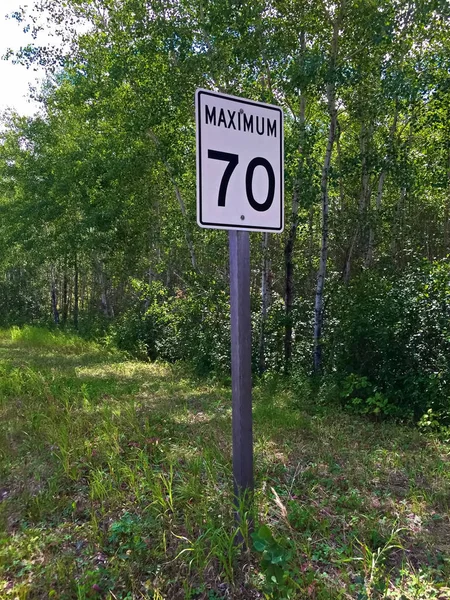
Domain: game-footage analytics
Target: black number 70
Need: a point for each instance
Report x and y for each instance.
(233, 161)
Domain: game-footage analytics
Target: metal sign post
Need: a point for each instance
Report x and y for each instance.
(241, 362)
(240, 184)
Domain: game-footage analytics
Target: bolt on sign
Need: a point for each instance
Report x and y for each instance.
(240, 179)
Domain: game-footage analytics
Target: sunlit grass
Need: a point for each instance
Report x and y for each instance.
(116, 481)
(40, 337)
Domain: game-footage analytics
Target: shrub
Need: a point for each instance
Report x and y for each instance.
(192, 325)
(277, 565)
(391, 342)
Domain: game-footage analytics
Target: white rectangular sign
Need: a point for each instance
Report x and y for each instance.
(240, 163)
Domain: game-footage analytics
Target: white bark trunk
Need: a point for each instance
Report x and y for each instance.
(54, 299)
(331, 98)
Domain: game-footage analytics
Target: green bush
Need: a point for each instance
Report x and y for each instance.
(276, 563)
(390, 343)
(191, 325)
(359, 394)
(302, 323)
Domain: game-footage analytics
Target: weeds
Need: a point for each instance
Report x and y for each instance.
(115, 482)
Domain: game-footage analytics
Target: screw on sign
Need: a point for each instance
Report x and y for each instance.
(240, 187)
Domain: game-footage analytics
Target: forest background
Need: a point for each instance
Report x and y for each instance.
(97, 191)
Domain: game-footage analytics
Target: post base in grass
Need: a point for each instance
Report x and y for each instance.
(241, 373)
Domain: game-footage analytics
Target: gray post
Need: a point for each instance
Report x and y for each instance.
(241, 359)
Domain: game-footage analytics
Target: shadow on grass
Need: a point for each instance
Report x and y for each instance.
(44, 358)
(90, 446)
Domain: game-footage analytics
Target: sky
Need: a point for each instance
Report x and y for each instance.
(14, 79)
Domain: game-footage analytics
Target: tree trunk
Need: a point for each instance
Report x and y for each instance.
(265, 301)
(54, 298)
(364, 198)
(348, 259)
(370, 247)
(397, 237)
(289, 283)
(311, 273)
(289, 248)
(446, 221)
(339, 164)
(65, 302)
(398, 225)
(107, 308)
(331, 98)
(386, 165)
(447, 200)
(75, 296)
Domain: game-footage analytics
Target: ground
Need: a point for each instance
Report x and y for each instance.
(115, 482)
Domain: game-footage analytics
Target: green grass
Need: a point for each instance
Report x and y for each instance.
(115, 482)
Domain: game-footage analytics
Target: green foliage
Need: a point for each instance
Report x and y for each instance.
(276, 564)
(301, 318)
(21, 298)
(391, 343)
(192, 325)
(97, 192)
(359, 395)
(374, 564)
(115, 476)
(430, 421)
(130, 536)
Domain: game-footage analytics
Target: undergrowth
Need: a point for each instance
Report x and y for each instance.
(116, 482)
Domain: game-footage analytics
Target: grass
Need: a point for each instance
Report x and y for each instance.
(115, 482)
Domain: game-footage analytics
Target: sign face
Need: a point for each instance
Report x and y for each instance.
(240, 163)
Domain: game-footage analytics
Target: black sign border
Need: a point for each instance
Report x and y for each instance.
(199, 154)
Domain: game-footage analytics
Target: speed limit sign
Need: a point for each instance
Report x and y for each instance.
(240, 180)
(240, 188)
